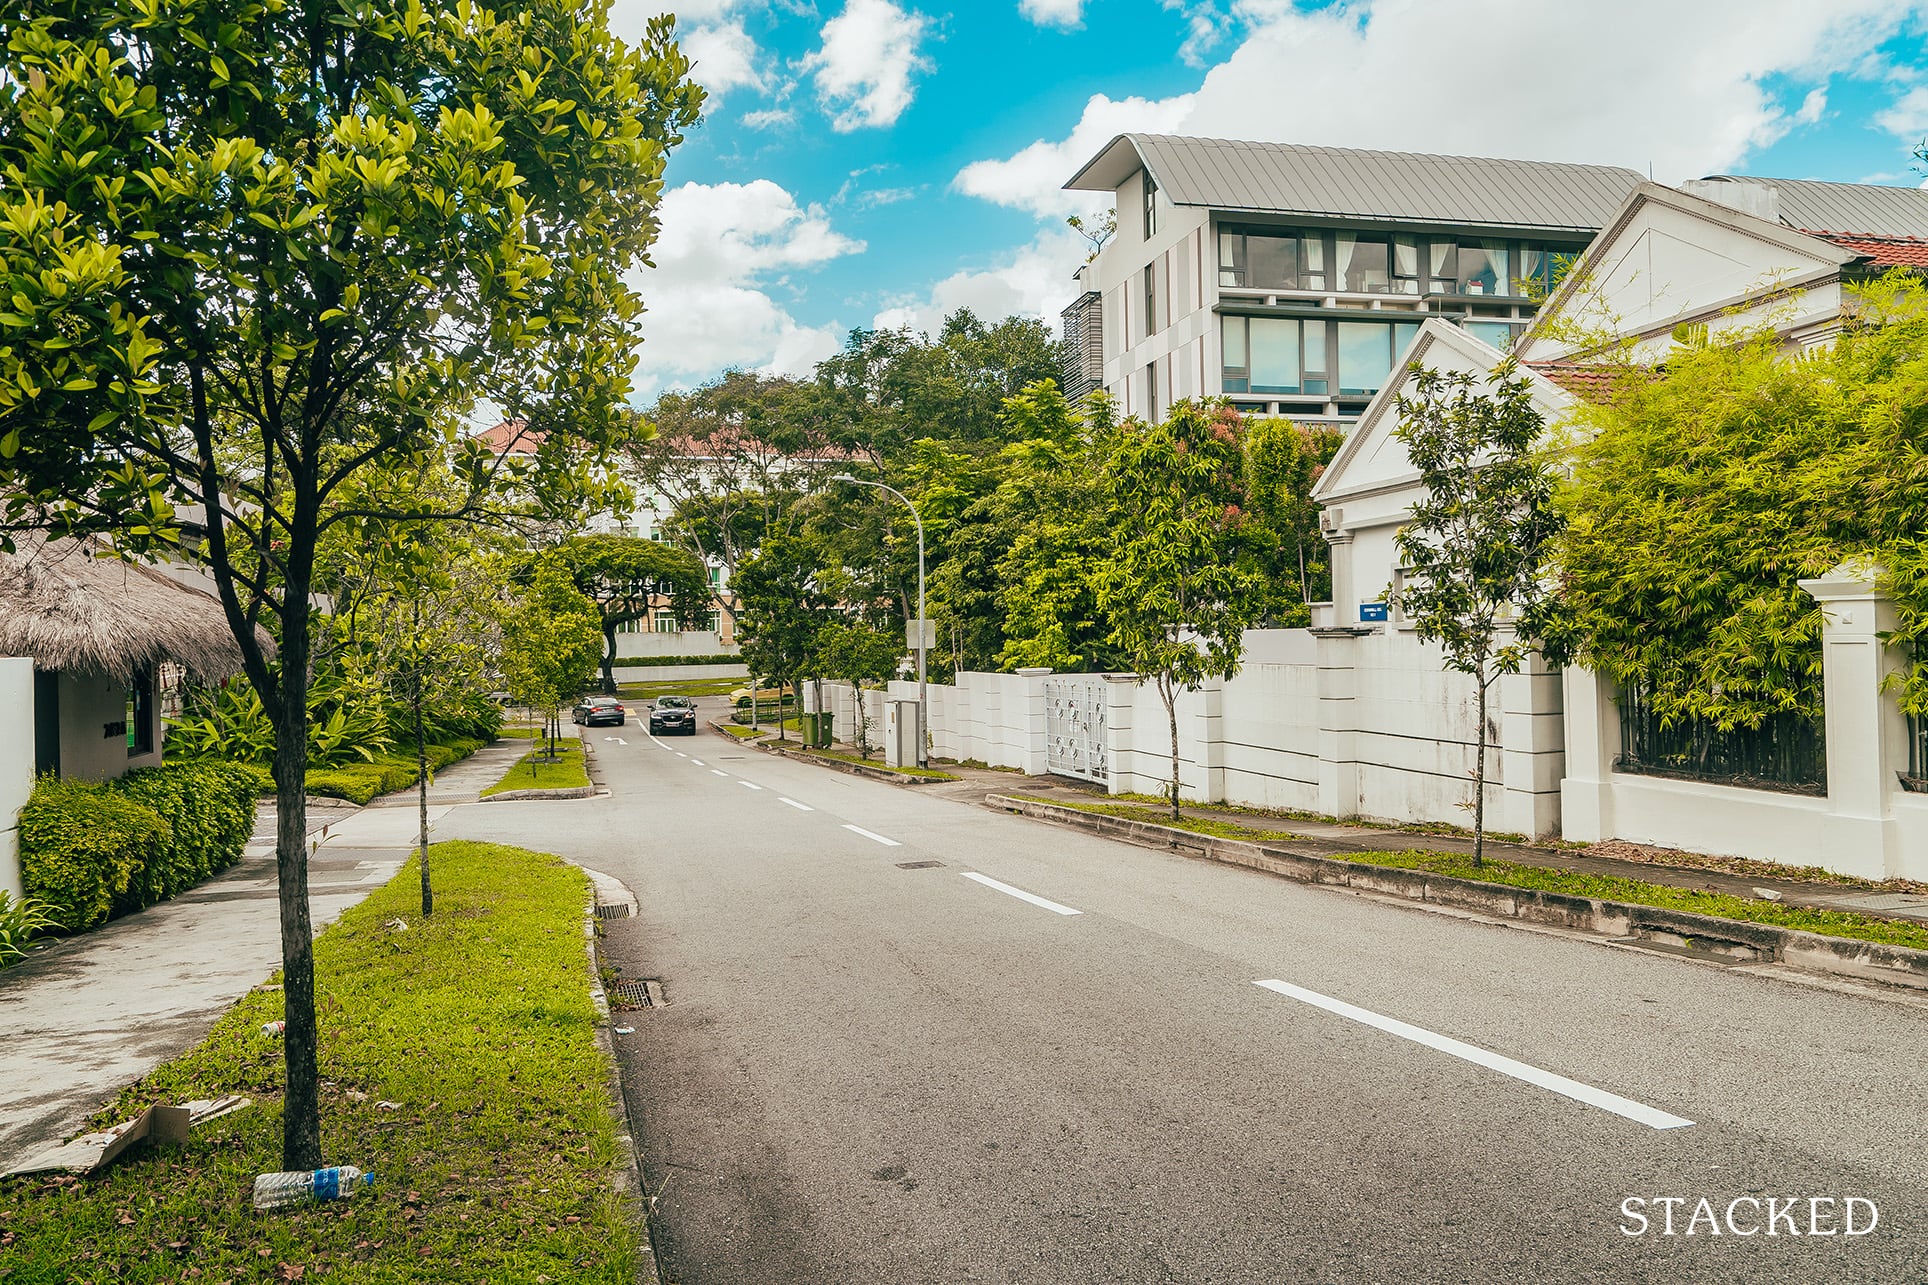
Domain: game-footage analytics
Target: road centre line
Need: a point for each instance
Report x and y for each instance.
(801, 807)
(698, 762)
(870, 834)
(679, 753)
(1626, 1108)
(1021, 894)
(717, 771)
(751, 784)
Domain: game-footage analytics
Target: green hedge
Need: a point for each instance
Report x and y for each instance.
(360, 782)
(654, 662)
(93, 850)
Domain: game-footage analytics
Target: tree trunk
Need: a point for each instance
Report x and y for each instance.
(301, 1105)
(609, 658)
(783, 733)
(421, 790)
(1170, 696)
(1479, 778)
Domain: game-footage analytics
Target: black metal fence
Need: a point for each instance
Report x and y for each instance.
(1917, 753)
(1787, 752)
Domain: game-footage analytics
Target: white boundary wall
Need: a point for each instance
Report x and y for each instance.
(16, 763)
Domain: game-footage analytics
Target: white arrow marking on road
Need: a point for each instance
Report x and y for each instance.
(871, 834)
(1021, 894)
(1624, 1107)
(801, 807)
(619, 740)
(752, 784)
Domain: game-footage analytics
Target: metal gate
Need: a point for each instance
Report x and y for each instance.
(1074, 725)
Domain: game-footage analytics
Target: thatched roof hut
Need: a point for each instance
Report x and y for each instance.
(69, 608)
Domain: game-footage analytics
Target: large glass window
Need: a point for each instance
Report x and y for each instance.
(1445, 267)
(140, 715)
(1485, 268)
(1405, 265)
(665, 622)
(1258, 261)
(1367, 352)
(1151, 205)
(1151, 299)
(1365, 266)
(1275, 354)
(1497, 333)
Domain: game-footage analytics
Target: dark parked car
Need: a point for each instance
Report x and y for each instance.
(673, 714)
(599, 711)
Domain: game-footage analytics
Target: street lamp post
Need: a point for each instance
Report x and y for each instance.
(923, 699)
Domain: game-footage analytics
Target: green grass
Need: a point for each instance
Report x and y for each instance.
(680, 687)
(496, 1166)
(928, 774)
(981, 765)
(1288, 814)
(745, 733)
(568, 772)
(1156, 816)
(1830, 923)
(520, 733)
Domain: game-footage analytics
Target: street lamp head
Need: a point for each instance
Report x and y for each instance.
(843, 477)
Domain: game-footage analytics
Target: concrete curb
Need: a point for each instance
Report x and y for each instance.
(510, 796)
(854, 769)
(628, 1176)
(1704, 936)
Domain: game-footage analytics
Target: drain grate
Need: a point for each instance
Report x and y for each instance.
(919, 865)
(644, 994)
(618, 911)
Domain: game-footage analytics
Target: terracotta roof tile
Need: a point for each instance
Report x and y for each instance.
(1884, 251)
(1588, 382)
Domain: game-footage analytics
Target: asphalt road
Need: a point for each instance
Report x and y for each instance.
(873, 1073)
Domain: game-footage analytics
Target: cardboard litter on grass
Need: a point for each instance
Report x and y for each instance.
(92, 1151)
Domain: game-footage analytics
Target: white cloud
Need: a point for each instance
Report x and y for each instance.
(1032, 281)
(864, 68)
(1068, 14)
(769, 118)
(722, 249)
(1907, 119)
(1032, 179)
(1680, 87)
(724, 58)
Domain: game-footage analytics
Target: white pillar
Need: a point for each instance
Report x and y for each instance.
(1032, 738)
(16, 763)
(1121, 699)
(1207, 726)
(1592, 741)
(1532, 743)
(1866, 733)
(1338, 720)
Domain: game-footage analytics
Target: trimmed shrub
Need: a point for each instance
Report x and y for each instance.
(360, 782)
(209, 807)
(83, 846)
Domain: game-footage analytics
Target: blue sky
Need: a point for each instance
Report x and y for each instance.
(880, 162)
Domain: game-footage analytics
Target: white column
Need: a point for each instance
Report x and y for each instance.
(16, 763)
(1532, 741)
(1032, 740)
(1121, 697)
(1592, 739)
(1866, 733)
(1207, 727)
(1338, 721)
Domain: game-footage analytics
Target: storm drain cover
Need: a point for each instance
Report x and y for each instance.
(645, 994)
(919, 865)
(618, 911)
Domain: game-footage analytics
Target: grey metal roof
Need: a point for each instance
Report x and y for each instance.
(1867, 208)
(1341, 182)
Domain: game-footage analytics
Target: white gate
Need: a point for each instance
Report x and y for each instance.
(1074, 725)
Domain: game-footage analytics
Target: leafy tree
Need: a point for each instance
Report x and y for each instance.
(1705, 490)
(1283, 545)
(1478, 544)
(251, 248)
(551, 639)
(784, 608)
(624, 576)
(861, 655)
(1177, 600)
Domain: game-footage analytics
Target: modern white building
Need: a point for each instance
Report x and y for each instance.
(1292, 278)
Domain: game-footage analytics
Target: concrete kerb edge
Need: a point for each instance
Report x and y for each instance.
(1864, 961)
(628, 1175)
(853, 769)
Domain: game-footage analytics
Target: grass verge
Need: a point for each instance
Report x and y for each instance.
(493, 1165)
(928, 774)
(744, 733)
(1157, 816)
(1830, 923)
(1408, 827)
(679, 687)
(567, 772)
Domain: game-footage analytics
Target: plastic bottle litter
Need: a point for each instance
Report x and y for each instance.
(273, 1028)
(277, 1190)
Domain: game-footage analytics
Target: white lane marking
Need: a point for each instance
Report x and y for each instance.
(717, 771)
(679, 753)
(751, 784)
(619, 740)
(698, 762)
(801, 807)
(1624, 1107)
(869, 834)
(1021, 894)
